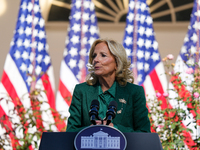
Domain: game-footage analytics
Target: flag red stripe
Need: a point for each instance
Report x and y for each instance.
(51, 99)
(8, 127)
(9, 88)
(65, 93)
(49, 91)
(12, 93)
(36, 113)
(158, 87)
(15, 99)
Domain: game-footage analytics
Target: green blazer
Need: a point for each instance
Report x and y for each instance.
(131, 116)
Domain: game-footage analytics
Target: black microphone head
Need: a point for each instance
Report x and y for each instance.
(111, 112)
(94, 102)
(113, 104)
(93, 113)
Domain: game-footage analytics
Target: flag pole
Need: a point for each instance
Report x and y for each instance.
(83, 70)
(34, 78)
(135, 45)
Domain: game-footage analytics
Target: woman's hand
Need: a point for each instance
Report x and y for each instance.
(99, 122)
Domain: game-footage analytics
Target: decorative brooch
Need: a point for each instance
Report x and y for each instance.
(123, 101)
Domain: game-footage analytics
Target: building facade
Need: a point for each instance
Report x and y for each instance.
(100, 140)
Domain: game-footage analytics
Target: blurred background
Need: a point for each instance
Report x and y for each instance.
(171, 19)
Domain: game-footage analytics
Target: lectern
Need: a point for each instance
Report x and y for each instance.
(65, 141)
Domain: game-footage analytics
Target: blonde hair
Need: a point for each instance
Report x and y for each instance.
(123, 73)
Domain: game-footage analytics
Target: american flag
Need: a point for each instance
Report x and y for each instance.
(82, 32)
(142, 49)
(28, 67)
(188, 57)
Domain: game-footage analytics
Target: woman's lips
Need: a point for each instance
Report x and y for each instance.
(97, 67)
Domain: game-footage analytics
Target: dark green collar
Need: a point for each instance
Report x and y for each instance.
(111, 90)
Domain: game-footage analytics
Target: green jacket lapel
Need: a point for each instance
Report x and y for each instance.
(121, 99)
(91, 95)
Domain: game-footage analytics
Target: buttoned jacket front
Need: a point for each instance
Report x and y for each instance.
(131, 114)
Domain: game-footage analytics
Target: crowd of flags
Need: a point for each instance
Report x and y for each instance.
(28, 63)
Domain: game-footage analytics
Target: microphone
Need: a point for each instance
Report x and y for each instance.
(111, 112)
(93, 113)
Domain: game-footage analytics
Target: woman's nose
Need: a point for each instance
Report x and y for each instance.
(96, 59)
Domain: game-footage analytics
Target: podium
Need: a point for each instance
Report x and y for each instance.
(65, 141)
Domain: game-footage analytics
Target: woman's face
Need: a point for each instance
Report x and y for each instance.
(103, 61)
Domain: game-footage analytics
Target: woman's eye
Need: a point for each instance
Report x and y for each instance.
(93, 56)
(103, 55)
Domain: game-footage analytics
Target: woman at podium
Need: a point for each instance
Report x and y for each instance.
(110, 79)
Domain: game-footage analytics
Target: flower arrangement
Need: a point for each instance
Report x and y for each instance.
(28, 123)
(175, 115)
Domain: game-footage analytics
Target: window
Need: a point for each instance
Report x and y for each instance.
(114, 11)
